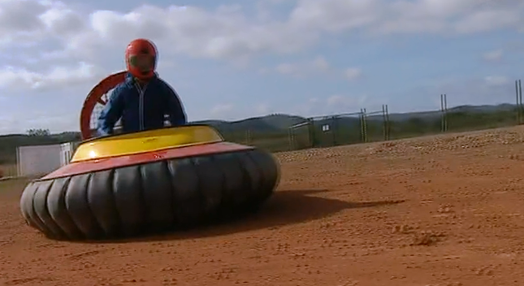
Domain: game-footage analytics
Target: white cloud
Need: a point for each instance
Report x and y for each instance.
(223, 33)
(21, 78)
(287, 68)
(310, 107)
(335, 15)
(321, 64)
(353, 73)
(496, 80)
(449, 16)
(488, 20)
(43, 120)
(335, 100)
(345, 102)
(61, 21)
(228, 111)
(80, 46)
(227, 32)
(334, 104)
(222, 110)
(263, 109)
(317, 66)
(493, 56)
(63, 33)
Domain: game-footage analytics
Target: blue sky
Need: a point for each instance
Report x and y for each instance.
(237, 59)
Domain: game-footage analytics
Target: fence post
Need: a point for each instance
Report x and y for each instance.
(520, 99)
(311, 131)
(517, 106)
(334, 130)
(363, 125)
(248, 137)
(291, 139)
(361, 117)
(384, 126)
(444, 112)
(388, 123)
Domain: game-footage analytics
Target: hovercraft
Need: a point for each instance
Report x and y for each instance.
(147, 182)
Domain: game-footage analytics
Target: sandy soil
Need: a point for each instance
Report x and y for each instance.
(445, 210)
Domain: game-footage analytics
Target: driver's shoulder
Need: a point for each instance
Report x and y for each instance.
(158, 82)
(158, 86)
(123, 88)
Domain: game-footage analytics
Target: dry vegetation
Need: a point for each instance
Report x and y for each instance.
(422, 145)
(7, 170)
(434, 211)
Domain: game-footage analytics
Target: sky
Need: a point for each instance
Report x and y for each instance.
(236, 59)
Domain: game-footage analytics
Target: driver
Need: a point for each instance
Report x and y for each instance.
(143, 99)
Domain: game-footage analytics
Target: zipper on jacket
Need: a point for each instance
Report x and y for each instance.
(141, 92)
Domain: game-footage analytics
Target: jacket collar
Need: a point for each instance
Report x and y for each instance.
(130, 79)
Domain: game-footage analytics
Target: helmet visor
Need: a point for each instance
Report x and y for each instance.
(145, 63)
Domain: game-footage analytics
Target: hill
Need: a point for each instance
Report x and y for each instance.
(266, 124)
(272, 131)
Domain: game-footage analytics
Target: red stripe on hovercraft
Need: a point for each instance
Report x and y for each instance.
(136, 159)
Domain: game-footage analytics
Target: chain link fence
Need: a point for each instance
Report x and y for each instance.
(340, 129)
(379, 125)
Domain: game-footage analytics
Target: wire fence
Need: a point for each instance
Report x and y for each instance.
(349, 128)
(379, 125)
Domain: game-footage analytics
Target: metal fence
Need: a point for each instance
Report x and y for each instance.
(368, 126)
(321, 131)
(379, 125)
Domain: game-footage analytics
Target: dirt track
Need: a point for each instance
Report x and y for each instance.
(444, 210)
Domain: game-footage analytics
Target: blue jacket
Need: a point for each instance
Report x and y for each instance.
(141, 108)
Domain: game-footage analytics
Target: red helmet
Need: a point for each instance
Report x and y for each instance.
(141, 57)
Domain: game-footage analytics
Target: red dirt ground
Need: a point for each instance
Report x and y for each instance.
(445, 210)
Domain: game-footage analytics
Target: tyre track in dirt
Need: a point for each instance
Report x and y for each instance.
(442, 210)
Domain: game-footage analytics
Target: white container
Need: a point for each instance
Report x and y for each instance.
(37, 160)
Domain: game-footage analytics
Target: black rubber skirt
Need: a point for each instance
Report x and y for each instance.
(152, 197)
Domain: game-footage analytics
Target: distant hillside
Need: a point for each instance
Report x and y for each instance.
(279, 124)
(265, 124)
(430, 115)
